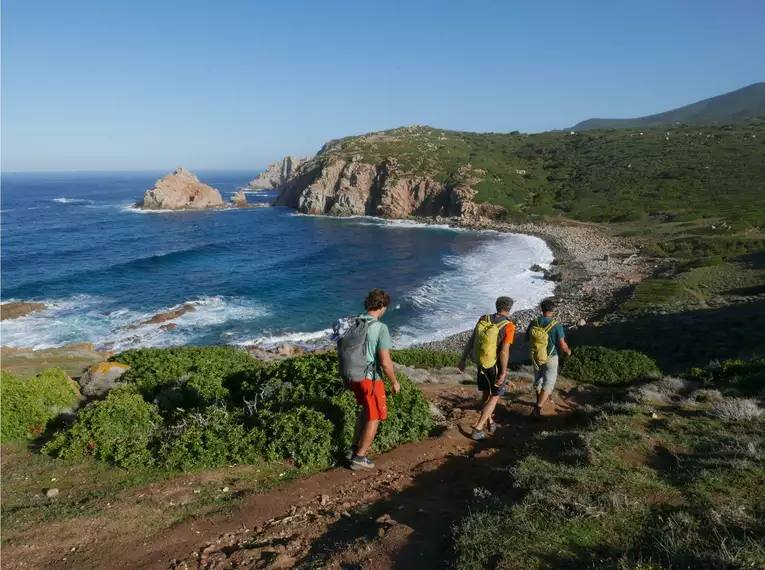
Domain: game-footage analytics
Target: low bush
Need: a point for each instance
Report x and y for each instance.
(207, 439)
(748, 377)
(425, 358)
(710, 261)
(117, 430)
(599, 365)
(29, 405)
(736, 409)
(193, 412)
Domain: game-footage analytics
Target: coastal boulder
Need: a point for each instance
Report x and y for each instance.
(102, 378)
(277, 174)
(16, 310)
(239, 199)
(181, 190)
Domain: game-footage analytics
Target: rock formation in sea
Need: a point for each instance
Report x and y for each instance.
(340, 186)
(181, 190)
(16, 309)
(277, 174)
(239, 199)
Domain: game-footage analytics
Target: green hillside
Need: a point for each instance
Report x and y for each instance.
(678, 175)
(729, 107)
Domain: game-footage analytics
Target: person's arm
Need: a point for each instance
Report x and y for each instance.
(562, 344)
(386, 363)
(504, 358)
(383, 357)
(466, 352)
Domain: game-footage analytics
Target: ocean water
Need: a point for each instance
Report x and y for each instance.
(255, 276)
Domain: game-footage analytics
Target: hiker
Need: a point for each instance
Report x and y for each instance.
(364, 356)
(546, 336)
(490, 345)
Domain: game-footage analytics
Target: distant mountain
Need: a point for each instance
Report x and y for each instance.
(740, 104)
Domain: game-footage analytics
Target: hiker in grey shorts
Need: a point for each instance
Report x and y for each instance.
(546, 374)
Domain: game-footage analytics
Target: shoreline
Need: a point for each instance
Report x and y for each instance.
(593, 267)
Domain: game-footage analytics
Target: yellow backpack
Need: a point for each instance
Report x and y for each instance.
(540, 339)
(486, 339)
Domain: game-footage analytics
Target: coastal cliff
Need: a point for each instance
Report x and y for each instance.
(338, 186)
(277, 174)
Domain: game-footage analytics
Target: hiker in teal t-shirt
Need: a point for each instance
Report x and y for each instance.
(545, 375)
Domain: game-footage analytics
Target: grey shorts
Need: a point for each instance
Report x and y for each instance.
(546, 375)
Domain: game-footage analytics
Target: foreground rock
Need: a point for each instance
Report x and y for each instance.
(277, 174)
(181, 190)
(72, 359)
(16, 310)
(101, 378)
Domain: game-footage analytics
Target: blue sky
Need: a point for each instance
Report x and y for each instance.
(132, 85)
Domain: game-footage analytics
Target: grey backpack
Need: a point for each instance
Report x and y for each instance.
(352, 352)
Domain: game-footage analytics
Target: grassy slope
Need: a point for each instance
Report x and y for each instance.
(745, 102)
(683, 173)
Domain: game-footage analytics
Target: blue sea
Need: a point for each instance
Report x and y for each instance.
(255, 276)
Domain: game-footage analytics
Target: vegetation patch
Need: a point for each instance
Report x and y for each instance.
(653, 294)
(29, 405)
(188, 411)
(426, 358)
(599, 365)
(626, 493)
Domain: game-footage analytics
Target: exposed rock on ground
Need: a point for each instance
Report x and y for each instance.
(181, 190)
(101, 378)
(15, 310)
(277, 174)
(72, 358)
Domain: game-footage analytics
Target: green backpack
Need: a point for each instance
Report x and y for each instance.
(486, 339)
(539, 337)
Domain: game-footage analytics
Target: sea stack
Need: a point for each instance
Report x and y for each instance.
(277, 174)
(181, 190)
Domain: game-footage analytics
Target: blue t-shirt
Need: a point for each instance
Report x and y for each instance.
(555, 335)
(378, 338)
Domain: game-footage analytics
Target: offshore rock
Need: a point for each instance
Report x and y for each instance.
(277, 174)
(181, 190)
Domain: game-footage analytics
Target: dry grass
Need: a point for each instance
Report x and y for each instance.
(737, 409)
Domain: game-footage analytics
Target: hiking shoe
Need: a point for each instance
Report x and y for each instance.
(492, 427)
(478, 435)
(361, 464)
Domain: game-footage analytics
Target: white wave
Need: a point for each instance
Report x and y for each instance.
(73, 201)
(133, 210)
(300, 338)
(451, 302)
(83, 319)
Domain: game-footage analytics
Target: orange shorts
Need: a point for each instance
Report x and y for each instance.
(371, 397)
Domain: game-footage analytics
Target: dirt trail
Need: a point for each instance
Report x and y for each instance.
(399, 516)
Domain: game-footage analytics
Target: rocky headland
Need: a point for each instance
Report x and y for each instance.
(277, 174)
(18, 309)
(181, 190)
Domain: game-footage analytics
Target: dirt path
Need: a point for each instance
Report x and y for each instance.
(399, 516)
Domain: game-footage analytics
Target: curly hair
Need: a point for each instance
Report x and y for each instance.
(504, 304)
(376, 300)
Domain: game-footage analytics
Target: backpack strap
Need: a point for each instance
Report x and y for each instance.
(550, 326)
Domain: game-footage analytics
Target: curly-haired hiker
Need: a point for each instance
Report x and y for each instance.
(490, 346)
(364, 356)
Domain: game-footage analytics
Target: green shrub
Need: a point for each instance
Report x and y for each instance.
(208, 439)
(599, 365)
(116, 430)
(746, 376)
(408, 416)
(29, 405)
(300, 435)
(425, 358)
(152, 369)
(710, 261)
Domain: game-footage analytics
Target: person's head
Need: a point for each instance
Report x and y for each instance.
(548, 306)
(376, 302)
(504, 305)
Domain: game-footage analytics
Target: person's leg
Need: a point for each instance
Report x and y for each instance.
(548, 381)
(369, 433)
(487, 412)
(376, 410)
(361, 421)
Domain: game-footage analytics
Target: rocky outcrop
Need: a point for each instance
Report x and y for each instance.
(353, 187)
(239, 199)
(102, 378)
(17, 309)
(72, 359)
(181, 190)
(277, 174)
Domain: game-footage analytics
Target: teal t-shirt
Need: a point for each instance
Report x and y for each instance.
(378, 338)
(556, 333)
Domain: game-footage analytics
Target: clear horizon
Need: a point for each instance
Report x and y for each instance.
(94, 86)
